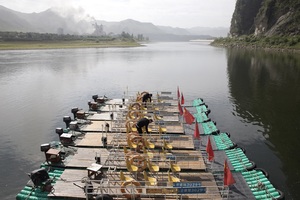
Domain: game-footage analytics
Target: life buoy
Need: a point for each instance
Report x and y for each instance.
(134, 191)
(133, 114)
(136, 140)
(143, 93)
(139, 161)
(139, 98)
(136, 106)
(129, 125)
(132, 134)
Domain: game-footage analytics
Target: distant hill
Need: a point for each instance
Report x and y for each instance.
(52, 21)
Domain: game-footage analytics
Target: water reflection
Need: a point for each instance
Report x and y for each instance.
(264, 87)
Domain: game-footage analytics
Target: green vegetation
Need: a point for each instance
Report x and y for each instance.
(276, 42)
(17, 40)
(65, 44)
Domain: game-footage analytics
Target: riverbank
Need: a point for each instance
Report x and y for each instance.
(23, 45)
(276, 43)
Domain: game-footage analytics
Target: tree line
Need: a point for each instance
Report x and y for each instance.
(32, 36)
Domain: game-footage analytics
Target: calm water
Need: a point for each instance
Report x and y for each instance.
(253, 95)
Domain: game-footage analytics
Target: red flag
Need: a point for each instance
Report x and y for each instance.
(178, 93)
(209, 150)
(197, 132)
(189, 118)
(228, 178)
(182, 99)
(180, 108)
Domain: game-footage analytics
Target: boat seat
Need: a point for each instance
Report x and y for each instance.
(130, 144)
(125, 178)
(167, 145)
(162, 130)
(172, 179)
(150, 181)
(130, 167)
(147, 153)
(175, 167)
(152, 167)
(149, 144)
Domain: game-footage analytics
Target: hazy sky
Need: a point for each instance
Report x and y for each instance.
(175, 13)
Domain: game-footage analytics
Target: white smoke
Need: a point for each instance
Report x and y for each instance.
(77, 14)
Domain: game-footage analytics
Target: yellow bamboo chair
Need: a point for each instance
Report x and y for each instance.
(172, 179)
(144, 130)
(149, 144)
(175, 167)
(167, 145)
(128, 153)
(150, 181)
(125, 178)
(130, 167)
(131, 126)
(162, 130)
(156, 117)
(165, 153)
(152, 167)
(147, 153)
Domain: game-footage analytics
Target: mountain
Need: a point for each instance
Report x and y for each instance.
(266, 18)
(72, 21)
(48, 21)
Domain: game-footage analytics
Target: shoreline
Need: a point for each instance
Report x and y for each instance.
(35, 45)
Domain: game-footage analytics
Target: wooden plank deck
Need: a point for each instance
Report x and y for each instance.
(95, 140)
(65, 186)
(106, 116)
(85, 157)
(99, 126)
(191, 162)
(186, 159)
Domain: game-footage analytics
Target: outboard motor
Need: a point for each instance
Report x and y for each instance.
(95, 97)
(90, 104)
(74, 111)
(67, 120)
(40, 178)
(45, 148)
(59, 131)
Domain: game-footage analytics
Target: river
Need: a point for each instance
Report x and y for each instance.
(254, 95)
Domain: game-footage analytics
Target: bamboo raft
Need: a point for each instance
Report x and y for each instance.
(100, 156)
